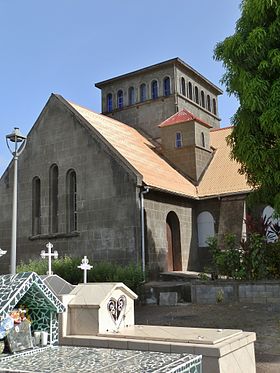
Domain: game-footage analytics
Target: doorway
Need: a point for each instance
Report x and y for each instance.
(173, 237)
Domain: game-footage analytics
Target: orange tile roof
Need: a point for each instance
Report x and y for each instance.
(181, 117)
(139, 152)
(221, 176)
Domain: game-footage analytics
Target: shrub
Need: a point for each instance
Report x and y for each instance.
(67, 268)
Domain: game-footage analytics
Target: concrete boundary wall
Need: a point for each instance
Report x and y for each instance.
(266, 292)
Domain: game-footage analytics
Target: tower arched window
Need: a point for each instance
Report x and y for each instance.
(109, 102)
(71, 203)
(143, 92)
(178, 140)
(120, 99)
(36, 206)
(202, 99)
(208, 103)
(214, 106)
(53, 199)
(205, 228)
(154, 89)
(190, 92)
(202, 139)
(183, 86)
(166, 86)
(196, 95)
(131, 96)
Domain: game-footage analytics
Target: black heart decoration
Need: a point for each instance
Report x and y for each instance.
(115, 307)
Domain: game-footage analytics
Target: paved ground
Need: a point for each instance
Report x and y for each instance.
(262, 319)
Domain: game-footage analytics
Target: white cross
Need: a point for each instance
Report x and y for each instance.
(49, 255)
(85, 267)
(2, 252)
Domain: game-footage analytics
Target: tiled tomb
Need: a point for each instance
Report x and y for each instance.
(27, 290)
(108, 321)
(83, 359)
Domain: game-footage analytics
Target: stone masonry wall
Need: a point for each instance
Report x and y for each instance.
(266, 292)
(157, 207)
(107, 197)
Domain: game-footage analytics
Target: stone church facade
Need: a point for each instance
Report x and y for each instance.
(146, 181)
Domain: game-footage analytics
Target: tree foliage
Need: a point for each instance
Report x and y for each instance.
(252, 61)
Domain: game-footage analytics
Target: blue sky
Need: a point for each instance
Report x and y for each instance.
(65, 46)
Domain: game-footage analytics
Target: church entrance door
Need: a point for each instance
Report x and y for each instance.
(173, 237)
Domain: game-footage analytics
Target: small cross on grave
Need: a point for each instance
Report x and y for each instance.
(49, 255)
(85, 267)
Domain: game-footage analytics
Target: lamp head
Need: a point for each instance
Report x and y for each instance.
(16, 136)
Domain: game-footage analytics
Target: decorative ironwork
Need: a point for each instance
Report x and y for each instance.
(115, 307)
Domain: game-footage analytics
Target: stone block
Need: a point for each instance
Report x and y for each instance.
(168, 298)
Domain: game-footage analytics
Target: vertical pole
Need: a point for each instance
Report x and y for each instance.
(50, 260)
(85, 276)
(14, 220)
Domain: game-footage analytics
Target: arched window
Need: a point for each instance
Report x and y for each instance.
(143, 92)
(196, 95)
(71, 203)
(268, 216)
(205, 228)
(214, 106)
(183, 86)
(36, 206)
(208, 103)
(178, 140)
(202, 99)
(53, 198)
(109, 102)
(154, 89)
(190, 93)
(202, 140)
(120, 99)
(131, 96)
(166, 86)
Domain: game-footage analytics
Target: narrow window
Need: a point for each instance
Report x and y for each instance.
(131, 96)
(196, 95)
(214, 106)
(120, 99)
(53, 187)
(109, 102)
(166, 86)
(36, 206)
(202, 140)
(178, 140)
(143, 92)
(202, 99)
(190, 91)
(208, 103)
(183, 86)
(154, 89)
(71, 203)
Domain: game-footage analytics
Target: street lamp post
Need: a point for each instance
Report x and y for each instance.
(17, 139)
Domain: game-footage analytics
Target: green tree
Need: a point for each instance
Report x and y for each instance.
(252, 62)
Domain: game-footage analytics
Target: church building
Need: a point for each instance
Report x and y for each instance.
(147, 181)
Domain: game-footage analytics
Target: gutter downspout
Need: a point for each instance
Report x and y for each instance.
(142, 192)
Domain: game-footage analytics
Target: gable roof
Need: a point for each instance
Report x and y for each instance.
(138, 151)
(14, 287)
(222, 176)
(95, 294)
(181, 117)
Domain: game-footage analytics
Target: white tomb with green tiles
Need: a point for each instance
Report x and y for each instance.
(28, 289)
